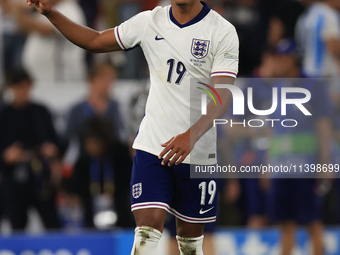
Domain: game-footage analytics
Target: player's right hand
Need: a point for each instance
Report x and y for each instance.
(42, 6)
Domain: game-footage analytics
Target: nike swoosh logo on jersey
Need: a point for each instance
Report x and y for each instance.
(203, 212)
(158, 38)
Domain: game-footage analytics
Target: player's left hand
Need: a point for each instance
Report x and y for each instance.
(178, 148)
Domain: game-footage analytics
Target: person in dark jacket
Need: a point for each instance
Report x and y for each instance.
(28, 151)
(102, 174)
(98, 103)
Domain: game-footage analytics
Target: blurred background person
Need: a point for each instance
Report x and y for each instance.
(47, 55)
(99, 102)
(102, 175)
(298, 201)
(28, 149)
(246, 17)
(250, 146)
(97, 139)
(91, 12)
(260, 24)
(1, 49)
(318, 38)
(12, 36)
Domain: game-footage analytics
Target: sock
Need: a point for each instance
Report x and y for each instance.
(146, 240)
(192, 245)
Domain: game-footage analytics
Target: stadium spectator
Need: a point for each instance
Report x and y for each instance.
(12, 37)
(250, 147)
(98, 103)
(294, 199)
(103, 172)
(246, 17)
(90, 9)
(47, 55)
(28, 153)
(259, 23)
(318, 37)
(1, 49)
(276, 31)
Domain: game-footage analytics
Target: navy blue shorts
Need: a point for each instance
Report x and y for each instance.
(294, 199)
(171, 189)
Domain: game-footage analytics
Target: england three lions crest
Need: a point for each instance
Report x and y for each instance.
(199, 48)
(137, 190)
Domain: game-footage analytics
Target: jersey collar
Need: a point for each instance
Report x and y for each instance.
(198, 18)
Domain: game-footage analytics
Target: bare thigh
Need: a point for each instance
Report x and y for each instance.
(150, 217)
(186, 229)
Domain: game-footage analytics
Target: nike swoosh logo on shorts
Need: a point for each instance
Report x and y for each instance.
(158, 38)
(203, 212)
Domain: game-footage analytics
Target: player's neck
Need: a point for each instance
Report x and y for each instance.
(183, 14)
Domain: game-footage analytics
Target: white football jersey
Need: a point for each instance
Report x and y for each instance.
(318, 24)
(204, 47)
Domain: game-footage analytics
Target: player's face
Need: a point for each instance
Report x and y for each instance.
(183, 3)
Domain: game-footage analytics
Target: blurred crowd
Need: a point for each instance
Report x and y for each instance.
(78, 176)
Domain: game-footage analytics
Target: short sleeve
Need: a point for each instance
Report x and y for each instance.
(330, 25)
(226, 58)
(130, 33)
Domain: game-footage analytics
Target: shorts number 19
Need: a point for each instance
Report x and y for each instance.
(211, 191)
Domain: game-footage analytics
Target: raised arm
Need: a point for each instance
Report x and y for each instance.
(82, 36)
